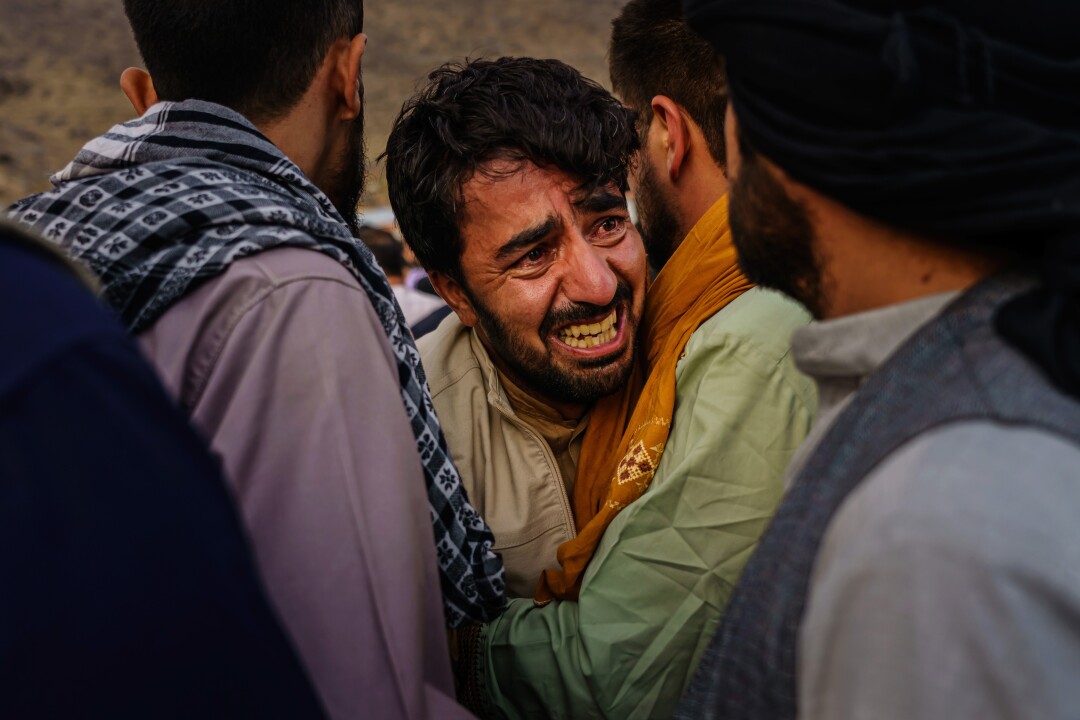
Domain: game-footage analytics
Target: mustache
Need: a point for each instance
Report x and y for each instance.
(576, 312)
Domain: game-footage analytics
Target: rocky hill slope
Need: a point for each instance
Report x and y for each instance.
(60, 61)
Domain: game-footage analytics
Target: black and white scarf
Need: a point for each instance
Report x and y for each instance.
(161, 204)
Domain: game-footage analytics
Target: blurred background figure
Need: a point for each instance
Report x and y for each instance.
(128, 587)
(423, 310)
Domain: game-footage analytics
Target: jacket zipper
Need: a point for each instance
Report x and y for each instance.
(553, 468)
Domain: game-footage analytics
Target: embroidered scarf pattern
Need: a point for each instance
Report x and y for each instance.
(161, 204)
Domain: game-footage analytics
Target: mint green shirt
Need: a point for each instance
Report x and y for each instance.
(665, 568)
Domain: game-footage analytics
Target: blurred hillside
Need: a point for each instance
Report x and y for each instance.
(60, 61)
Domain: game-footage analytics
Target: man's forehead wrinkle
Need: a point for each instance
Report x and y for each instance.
(474, 201)
(528, 203)
(501, 168)
(480, 184)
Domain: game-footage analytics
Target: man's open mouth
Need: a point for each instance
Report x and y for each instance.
(591, 335)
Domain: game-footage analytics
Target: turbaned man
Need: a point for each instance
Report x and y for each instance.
(911, 173)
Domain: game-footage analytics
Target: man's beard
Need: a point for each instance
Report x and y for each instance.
(773, 234)
(540, 371)
(657, 223)
(349, 181)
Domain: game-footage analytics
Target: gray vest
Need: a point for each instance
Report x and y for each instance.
(954, 369)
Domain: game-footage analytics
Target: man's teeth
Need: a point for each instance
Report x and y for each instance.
(591, 335)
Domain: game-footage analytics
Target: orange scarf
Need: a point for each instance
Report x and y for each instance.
(628, 430)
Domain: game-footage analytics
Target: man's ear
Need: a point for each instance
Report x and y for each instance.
(675, 136)
(139, 88)
(454, 295)
(347, 79)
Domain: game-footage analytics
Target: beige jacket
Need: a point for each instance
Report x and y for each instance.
(509, 471)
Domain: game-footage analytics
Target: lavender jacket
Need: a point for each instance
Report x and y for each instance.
(282, 363)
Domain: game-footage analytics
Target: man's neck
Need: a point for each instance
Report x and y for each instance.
(568, 411)
(866, 266)
(303, 142)
(528, 404)
(698, 191)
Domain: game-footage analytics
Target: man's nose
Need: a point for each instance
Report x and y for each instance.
(589, 278)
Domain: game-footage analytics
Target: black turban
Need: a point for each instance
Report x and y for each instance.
(958, 119)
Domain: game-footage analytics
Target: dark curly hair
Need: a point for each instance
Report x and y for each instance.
(518, 109)
(654, 52)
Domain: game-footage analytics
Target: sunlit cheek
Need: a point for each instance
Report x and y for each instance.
(630, 262)
(529, 308)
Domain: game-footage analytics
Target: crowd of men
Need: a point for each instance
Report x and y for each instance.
(801, 442)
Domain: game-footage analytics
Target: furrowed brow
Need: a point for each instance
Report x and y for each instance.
(526, 238)
(601, 201)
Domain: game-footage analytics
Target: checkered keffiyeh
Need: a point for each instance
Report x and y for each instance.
(159, 205)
